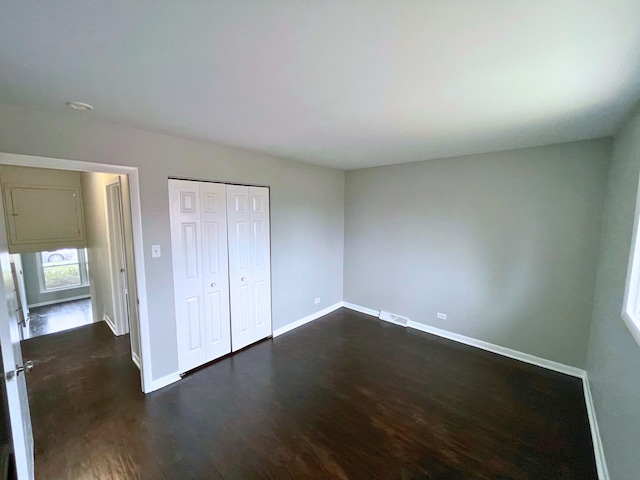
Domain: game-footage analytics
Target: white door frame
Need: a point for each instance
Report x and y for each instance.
(117, 256)
(138, 245)
(22, 290)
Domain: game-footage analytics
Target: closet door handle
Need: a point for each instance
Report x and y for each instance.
(243, 279)
(213, 284)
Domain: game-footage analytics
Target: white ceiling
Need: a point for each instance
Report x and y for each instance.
(341, 83)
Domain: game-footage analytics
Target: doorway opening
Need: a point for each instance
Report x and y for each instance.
(53, 290)
(113, 261)
(86, 275)
(103, 177)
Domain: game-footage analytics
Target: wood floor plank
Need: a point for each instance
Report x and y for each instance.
(343, 397)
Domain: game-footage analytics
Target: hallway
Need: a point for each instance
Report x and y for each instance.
(58, 317)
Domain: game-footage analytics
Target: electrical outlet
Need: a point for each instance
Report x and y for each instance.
(442, 316)
(316, 301)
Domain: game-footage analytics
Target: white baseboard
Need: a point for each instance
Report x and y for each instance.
(136, 360)
(504, 351)
(309, 318)
(174, 377)
(598, 451)
(59, 300)
(358, 308)
(164, 381)
(109, 321)
(507, 352)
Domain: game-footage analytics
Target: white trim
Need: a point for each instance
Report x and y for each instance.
(141, 283)
(633, 324)
(146, 375)
(118, 283)
(598, 451)
(631, 301)
(358, 308)
(107, 319)
(60, 163)
(164, 381)
(136, 359)
(504, 351)
(507, 352)
(59, 300)
(309, 318)
(94, 310)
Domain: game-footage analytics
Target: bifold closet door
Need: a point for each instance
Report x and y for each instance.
(249, 264)
(200, 271)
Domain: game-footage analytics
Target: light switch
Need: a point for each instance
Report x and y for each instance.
(155, 251)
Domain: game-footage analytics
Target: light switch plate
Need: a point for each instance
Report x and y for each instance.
(155, 251)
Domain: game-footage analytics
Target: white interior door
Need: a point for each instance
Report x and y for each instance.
(117, 258)
(200, 271)
(16, 388)
(249, 264)
(186, 252)
(215, 267)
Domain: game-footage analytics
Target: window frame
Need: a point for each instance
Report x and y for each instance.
(82, 266)
(631, 300)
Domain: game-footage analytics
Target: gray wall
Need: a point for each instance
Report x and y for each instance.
(95, 223)
(613, 360)
(95, 214)
(307, 209)
(32, 284)
(505, 244)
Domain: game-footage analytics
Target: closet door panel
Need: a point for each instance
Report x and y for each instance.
(239, 218)
(260, 260)
(213, 216)
(249, 264)
(186, 252)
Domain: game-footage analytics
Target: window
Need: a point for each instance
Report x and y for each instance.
(631, 303)
(63, 269)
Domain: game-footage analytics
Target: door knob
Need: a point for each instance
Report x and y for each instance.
(243, 279)
(26, 368)
(213, 284)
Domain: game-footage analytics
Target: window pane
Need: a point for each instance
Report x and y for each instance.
(65, 256)
(61, 276)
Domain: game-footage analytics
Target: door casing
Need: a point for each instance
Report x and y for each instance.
(117, 255)
(146, 367)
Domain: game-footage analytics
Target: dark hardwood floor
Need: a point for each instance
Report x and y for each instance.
(58, 317)
(343, 397)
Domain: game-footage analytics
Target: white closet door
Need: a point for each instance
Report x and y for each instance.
(186, 251)
(200, 271)
(249, 264)
(213, 215)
